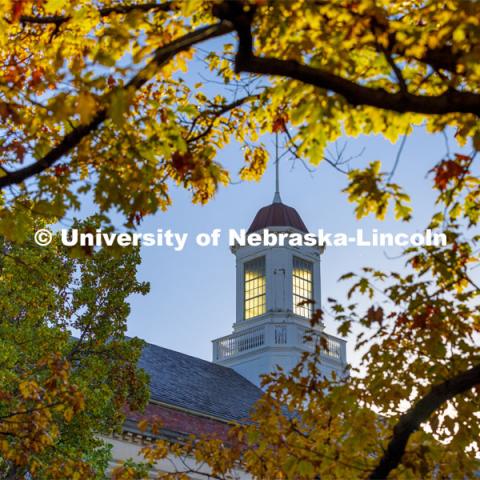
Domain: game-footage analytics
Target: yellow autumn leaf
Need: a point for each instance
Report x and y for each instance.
(86, 106)
(53, 6)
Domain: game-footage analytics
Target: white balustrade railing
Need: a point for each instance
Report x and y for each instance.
(274, 335)
(237, 343)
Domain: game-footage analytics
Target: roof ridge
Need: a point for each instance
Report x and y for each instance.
(187, 355)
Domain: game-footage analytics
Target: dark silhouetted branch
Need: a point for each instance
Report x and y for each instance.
(420, 412)
(450, 101)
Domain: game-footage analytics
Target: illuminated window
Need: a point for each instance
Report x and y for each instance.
(255, 288)
(302, 287)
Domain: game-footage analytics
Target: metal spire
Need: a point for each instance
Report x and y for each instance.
(276, 197)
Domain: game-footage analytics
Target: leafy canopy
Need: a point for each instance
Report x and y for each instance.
(105, 98)
(58, 394)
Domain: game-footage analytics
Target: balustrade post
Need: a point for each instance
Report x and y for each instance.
(215, 350)
(269, 335)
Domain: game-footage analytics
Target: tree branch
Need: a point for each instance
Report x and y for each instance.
(104, 12)
(214, 113)
(395, 68)
(411, 420)
(161, 56)
(451, 101)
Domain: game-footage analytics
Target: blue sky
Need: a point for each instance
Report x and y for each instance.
(192, 298)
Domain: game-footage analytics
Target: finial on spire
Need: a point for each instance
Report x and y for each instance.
(276, 197)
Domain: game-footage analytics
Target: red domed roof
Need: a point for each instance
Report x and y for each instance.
(277, 215)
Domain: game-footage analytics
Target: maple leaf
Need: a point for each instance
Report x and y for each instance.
(279, 123)
(448, 170)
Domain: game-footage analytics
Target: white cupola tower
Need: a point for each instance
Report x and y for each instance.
(278, 288)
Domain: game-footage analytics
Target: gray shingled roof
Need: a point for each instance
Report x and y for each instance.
(188, 382)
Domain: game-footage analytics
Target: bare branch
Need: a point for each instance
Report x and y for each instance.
(398, 156)
(216, 112)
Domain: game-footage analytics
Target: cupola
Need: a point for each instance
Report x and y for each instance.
(277, 290)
